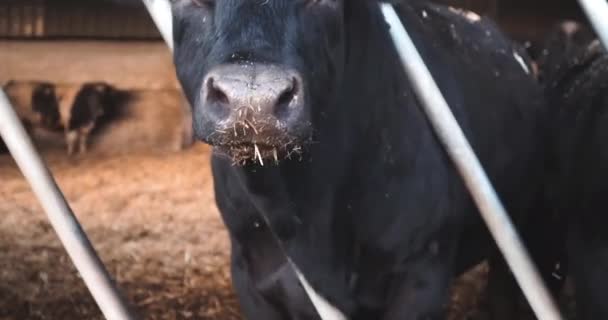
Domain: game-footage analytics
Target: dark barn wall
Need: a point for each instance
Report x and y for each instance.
(21, 18)
(74, 19)
(523, 19)
(531, 19)
(105, 19)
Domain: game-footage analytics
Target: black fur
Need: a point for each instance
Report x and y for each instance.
(96, 102)
(577, 89)
(559, 45)
(44, 101)
(374, 213)
(95, 105)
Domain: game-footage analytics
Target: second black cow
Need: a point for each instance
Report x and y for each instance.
(575, 69)
(319, 137)
(35, 103)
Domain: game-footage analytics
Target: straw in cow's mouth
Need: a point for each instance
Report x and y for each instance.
(260, 153)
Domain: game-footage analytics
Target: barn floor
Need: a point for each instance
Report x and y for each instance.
(152, 218)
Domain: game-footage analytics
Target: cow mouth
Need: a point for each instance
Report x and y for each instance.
(258, 142)
(259, 152)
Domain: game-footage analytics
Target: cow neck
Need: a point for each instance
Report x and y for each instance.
(376, 93)
(303, 189)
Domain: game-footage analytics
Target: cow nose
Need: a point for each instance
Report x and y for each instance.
(237, 93)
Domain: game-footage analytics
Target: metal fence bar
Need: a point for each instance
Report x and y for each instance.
(470, 169)
(597, 12)
(69, 231)
(160, 11)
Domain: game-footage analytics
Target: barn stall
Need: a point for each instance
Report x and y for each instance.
(149, 208)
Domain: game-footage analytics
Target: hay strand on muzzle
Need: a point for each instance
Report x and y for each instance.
(257, 154)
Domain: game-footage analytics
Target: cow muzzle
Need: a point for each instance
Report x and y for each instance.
(257, 111)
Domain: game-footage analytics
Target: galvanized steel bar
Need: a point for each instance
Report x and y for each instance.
(160, 11)
(597, 12)
(69, 231)
(475, 178)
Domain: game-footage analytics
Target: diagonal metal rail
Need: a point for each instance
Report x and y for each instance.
(457, 146)
(63, 221)
(597, 13)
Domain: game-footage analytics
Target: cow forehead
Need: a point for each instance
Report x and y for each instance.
(259, 29)
(275, 8)
(207, 4)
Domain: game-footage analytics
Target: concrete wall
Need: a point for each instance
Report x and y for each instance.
(158, 118)
(63, 19)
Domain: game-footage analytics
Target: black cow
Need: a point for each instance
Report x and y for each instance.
(35, 102)
(524, 56)
(577, 87)
(44, 101)
(564, 41)
(86, 107)
(316, 128)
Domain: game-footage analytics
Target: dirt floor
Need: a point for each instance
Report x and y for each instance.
(153, 220)
(151, 217)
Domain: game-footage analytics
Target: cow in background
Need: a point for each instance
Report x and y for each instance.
(35, 103)
(574, 66)
(74, 109)
(564, 41)
(83, 108)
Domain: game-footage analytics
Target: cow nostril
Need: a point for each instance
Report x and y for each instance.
(216, 94)
(288, 94)
(285, 99)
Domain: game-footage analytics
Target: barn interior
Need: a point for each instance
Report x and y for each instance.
(143, 191)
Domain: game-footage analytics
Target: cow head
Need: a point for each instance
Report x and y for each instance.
(100, 97)
(45, 103)
(563, 45)
(258, 72)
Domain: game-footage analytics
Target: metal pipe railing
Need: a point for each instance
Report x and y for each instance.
(597, 13)
(475, 178)
(160, 11)
(63, 221)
